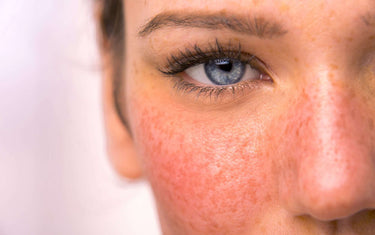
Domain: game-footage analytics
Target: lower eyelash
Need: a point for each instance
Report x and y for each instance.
(184, 86)
(187, 87)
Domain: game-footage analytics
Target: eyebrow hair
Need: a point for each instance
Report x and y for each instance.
(255, 26)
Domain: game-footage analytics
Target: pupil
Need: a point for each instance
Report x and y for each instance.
(227, 67)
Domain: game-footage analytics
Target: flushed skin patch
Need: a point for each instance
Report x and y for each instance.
(292, 157)
(202, 173)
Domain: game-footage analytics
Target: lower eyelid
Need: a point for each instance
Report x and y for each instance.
(216, 95)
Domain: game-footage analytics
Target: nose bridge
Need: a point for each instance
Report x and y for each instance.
(330, 149)
(335, 143)
(334, 118)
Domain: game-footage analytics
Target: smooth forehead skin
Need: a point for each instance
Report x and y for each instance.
(293, 157)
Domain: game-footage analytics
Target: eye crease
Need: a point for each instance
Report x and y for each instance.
(214, 69)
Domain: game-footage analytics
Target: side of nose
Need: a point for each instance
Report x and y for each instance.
(327, 169)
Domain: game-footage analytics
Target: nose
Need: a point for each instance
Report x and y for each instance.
(327, 167)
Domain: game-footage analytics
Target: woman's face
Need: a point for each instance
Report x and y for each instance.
(254, 117)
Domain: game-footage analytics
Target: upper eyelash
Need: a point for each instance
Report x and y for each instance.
(195, 55)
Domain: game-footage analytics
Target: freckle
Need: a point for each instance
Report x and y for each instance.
(223, 12)
(350, 39)
(332, 14)
(215, 225)
(263, 229)
(193, 226)
(334, 66)
(296, 59)
(351, 96)
(371, 123)
(284, 7)
(256, 2)
(257, 220)
(330, 75)
(268, 198)
(297, 132)
(135, 68)
(372, 37)
(150, 41)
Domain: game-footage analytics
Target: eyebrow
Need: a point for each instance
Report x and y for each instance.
(254, 26)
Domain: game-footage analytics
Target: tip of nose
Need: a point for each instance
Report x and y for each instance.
(331, 214)
(337, 189)
(344, 218)
(336, 207)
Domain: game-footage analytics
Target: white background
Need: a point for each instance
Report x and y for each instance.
(54, 175)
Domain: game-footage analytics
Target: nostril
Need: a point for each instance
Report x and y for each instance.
(362, 222)
(332, 212)
(358, 223)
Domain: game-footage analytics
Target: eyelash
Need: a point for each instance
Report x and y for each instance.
(184, 59)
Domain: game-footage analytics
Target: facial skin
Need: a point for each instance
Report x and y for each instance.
(292, 154)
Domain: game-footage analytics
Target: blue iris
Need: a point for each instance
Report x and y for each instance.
(224, 71)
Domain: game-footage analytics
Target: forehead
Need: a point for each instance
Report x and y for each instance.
(319, 26)
(298, 13)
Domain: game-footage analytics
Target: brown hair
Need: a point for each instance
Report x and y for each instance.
(111, 23)
(112, 27)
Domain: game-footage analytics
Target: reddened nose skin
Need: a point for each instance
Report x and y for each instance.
(328, 170)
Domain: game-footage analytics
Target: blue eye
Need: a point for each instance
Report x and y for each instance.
(222, 72)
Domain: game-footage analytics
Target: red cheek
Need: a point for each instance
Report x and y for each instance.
(209, 175)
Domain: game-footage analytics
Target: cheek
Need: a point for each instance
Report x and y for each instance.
(205, 172)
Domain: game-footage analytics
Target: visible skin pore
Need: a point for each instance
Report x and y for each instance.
(295, 156)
